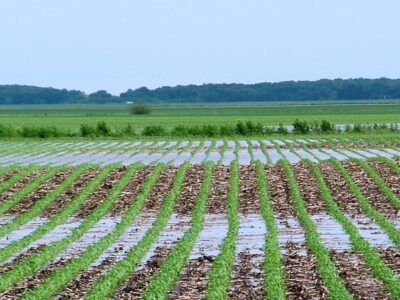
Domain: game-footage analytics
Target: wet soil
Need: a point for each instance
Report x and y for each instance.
(73, 191)
(161, 189)
(247, 278)
(370, 190)
(139, 281)
(8, 175)
(133, 188)
(44, 189)
(31, 282)
(100, 194)
(391, 256)
(249, 201)
(190, 190)
(5, 267)
(279, 191)
(81, 285)
(309, 189)
(302, 277)
(339, 190)
(392, 180)
(193, 283)
(219, 190)
(357, 276)
(20, 184)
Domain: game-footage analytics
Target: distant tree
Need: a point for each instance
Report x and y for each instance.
(101, 94)
(140, 109)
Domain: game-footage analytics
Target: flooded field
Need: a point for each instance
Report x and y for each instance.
(246, 219)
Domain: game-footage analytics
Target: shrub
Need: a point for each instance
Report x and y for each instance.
(7, 131)
(302, 127)
(103, 129)
(241, 128)
(140, 109)
(282, 130)
(154, 130)
(87, 130)
(180, 130)
(226, 130)
(326, 126)
(210, 130)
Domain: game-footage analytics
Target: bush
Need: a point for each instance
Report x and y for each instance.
(326, 126)
(87, 130)
(140, 109)
(180, 130)
(40, 132)
(302, 127)
(226, 130)
(154, 130)
(241, 128)
(7, 131)
(282, 129)
(103, 129)
(210, 130)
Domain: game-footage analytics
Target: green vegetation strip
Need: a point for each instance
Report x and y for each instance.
(17, 177)
(366, 207)
(264, 150)
(26, 190)
(274, 277)
(390, 163)
(326, 268)
(371, 257)
(176, 261)
(56, 220)
(5, 170)
(379, 182)
(41, 204)
(121, 271)
(38, 260)
(61, 277)
(219, 276)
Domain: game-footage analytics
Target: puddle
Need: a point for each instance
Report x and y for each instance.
(252, 232)
(290, 230)
(228, 157)
(274, 155)
(319, 154)
(371, 231)
(244, 157)
(211, 236)
(304, 154)
(259, 155)
(335, 154)
(290, 156)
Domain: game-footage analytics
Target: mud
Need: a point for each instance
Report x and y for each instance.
(5, 267)
(44, 189)
(339, 190)
(8, 175)
(124, 201)
(219, 190)
(302, 277)
(81, 285)
(391, 256)
(392, 180)
(138, 282)
(309, 189)
(20, 184)
(100, 194)
(249, 201)
(370, 190)
(190, 190)
(279, 192)
(73, 191)
(247, 277)
(161, 189)
(193, 282)
(357, 276)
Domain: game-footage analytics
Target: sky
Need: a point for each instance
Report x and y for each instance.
(115, 45)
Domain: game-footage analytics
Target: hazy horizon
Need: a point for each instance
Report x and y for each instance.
(117, 45)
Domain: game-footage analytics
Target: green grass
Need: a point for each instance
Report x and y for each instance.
(71, 116)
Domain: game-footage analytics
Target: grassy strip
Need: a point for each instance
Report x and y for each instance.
(326, 268)
(264, 150)
(219, 276)
(26, 190)
(41, 204)
(4, 170)
(38, 260)
(250, 149)
(17, 177)
(62, 216)
(210, 149)
(390, 163)
(379, 182)
(367, 209)
(176, 261)
(222, 151)
(274, 277)
(359, 244)
(61, 277)
(121, 271)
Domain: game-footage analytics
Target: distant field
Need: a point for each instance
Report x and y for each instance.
(71, 116)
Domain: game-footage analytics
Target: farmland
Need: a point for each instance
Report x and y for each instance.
(69, 117)
(295, 217)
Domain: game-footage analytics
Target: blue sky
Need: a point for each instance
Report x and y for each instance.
(121, 44)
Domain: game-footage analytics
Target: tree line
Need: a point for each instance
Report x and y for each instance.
(324, 89)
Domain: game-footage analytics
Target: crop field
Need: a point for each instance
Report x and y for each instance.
(69, 117)
(297, 218)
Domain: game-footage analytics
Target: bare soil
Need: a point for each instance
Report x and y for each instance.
(249, 201)
(357, 276)
(219, 191)
(44, 189)
(392, 180)
(370, 190)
